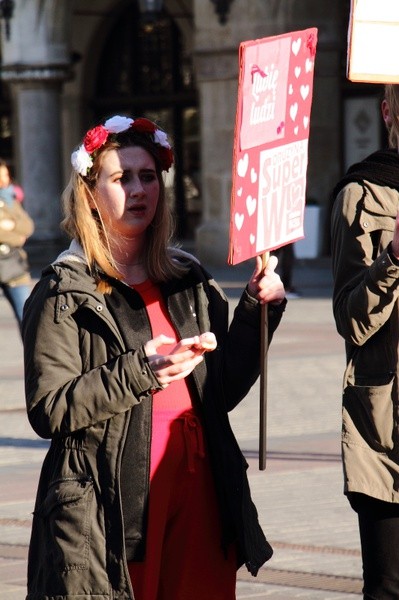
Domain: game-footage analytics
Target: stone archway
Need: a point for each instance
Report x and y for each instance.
(144, 70)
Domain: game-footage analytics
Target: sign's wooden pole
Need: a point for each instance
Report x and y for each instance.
(264, 347)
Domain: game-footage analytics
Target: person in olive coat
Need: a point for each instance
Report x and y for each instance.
(365, 256)
(131, 367)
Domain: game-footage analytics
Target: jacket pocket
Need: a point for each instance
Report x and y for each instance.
(66, 519)
(368, 416)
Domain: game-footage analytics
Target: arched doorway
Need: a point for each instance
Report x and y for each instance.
(143, 70)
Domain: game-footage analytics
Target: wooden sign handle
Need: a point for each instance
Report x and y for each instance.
(264, 347)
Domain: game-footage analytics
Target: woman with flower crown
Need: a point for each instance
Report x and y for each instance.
(131, 367)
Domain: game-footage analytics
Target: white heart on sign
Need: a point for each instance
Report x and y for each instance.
(252, 239)
(254, 175)
(251, 205)
(297, 71)
(304, 91)
(296, 46)
(293, 110)
(239, 220)
(305, 122)
(243, 165)
(296, 129)
(290, 89)
(239, 191)
(308, 65)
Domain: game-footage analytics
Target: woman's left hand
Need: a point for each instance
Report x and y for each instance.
(181, 360)
(265, 284)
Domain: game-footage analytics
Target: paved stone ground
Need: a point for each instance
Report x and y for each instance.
(299, 495)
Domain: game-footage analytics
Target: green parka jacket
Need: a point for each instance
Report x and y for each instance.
(84, 387)
(365, 303)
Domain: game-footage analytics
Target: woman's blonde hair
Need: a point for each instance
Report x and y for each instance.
(83, 223)
(391, 95)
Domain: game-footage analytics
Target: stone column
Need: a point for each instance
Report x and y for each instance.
(216, 63)
(35, 65)
(217, 82)
(37, 145)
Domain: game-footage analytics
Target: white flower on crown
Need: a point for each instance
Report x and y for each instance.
(117, 124)
(81, 161)
(161, 138)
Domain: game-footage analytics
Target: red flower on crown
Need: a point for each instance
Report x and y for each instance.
(165, 157)
(143, 125)
(95, 138)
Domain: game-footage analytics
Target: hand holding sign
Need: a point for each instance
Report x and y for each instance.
(265, 285)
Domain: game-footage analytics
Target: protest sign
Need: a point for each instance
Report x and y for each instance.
(271, 143)
(270, 159)
(373, 46)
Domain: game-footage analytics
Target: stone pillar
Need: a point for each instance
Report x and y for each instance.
(37, 146)
(216, 63)
(35, 65)
(217, 82)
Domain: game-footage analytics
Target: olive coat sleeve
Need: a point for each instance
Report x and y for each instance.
(77, 371)
(365, 277)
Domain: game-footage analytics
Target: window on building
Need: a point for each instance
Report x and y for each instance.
(144, 70)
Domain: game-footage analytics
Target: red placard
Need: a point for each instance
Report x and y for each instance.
(271, 143)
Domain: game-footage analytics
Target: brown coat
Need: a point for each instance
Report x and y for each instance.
(365, 306)
(15, 235)
(23, 224)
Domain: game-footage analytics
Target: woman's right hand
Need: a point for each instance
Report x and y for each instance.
(182, 359)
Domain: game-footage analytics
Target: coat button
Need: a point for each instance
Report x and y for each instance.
(64, 307)
(99, 307)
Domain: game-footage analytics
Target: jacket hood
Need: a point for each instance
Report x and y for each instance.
(379, 168)
(72, 273)
(73, 254)
(75, 260)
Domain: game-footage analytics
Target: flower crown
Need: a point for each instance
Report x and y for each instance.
(82, 159)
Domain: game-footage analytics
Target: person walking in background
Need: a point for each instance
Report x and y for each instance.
(9, 190)
(15, 228)
(131, 367)
(365, 258)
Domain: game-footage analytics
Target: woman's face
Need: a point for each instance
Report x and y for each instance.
(127, 191)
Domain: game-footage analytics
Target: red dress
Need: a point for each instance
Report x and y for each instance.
(184, 560)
